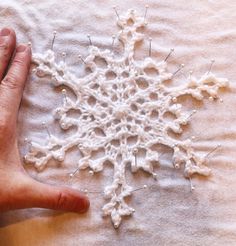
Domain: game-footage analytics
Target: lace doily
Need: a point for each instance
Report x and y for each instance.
(122, 113)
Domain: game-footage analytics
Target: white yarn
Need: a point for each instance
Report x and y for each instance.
(117, 103)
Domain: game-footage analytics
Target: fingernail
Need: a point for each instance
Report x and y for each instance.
(5, 32)
(21, 48)
(84, 206)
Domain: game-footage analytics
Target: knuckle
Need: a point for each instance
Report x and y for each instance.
(10, 81)
(18, 61)
(5, 49)
(4, 46)
(62, 201)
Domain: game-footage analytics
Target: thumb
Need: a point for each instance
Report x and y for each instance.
(42, 195)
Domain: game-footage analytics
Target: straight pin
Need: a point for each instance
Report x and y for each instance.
(154, 175)
(180, 67)
(192, 187)
(190, 74)
(89, 38)
(81, 58)
(115, 9)
(209, 153)
(141, 188)
(212, 62)
(135, 151)
(73, 174)
(113, 41)
(150, 47)
(145, 15)
(64, 93)
(27, 141)
(92, 192)
(64, 57)
(53, 40)
(45, 126)
(194, 112)
(169, 54)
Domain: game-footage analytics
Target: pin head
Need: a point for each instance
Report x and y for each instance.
(135, 151)
(177, 166)
(91, 172)
(211, 98)
(154, 175)
(174, 99)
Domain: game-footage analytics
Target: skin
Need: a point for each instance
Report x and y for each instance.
(17, 189)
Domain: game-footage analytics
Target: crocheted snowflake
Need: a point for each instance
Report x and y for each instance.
(122, 113)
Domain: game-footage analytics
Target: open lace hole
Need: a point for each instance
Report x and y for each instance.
(130, 22)
(110, 75)
(142, 83)
(152, 72)
(91, 100)
(100, 61)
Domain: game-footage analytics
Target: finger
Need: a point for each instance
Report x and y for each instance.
(11, 87)
(59, 198)
(7, 47)
(37, 194)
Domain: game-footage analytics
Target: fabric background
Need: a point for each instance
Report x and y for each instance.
(169, 214)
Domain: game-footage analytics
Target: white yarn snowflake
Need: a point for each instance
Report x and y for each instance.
(122, 112)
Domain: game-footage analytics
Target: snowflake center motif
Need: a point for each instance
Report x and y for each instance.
(122, 109)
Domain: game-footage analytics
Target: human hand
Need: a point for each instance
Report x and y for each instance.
(17, 189)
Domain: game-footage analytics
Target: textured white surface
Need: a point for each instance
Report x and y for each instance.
(123, 112)
(170, 213)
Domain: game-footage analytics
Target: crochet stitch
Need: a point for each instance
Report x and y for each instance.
(122, 109)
